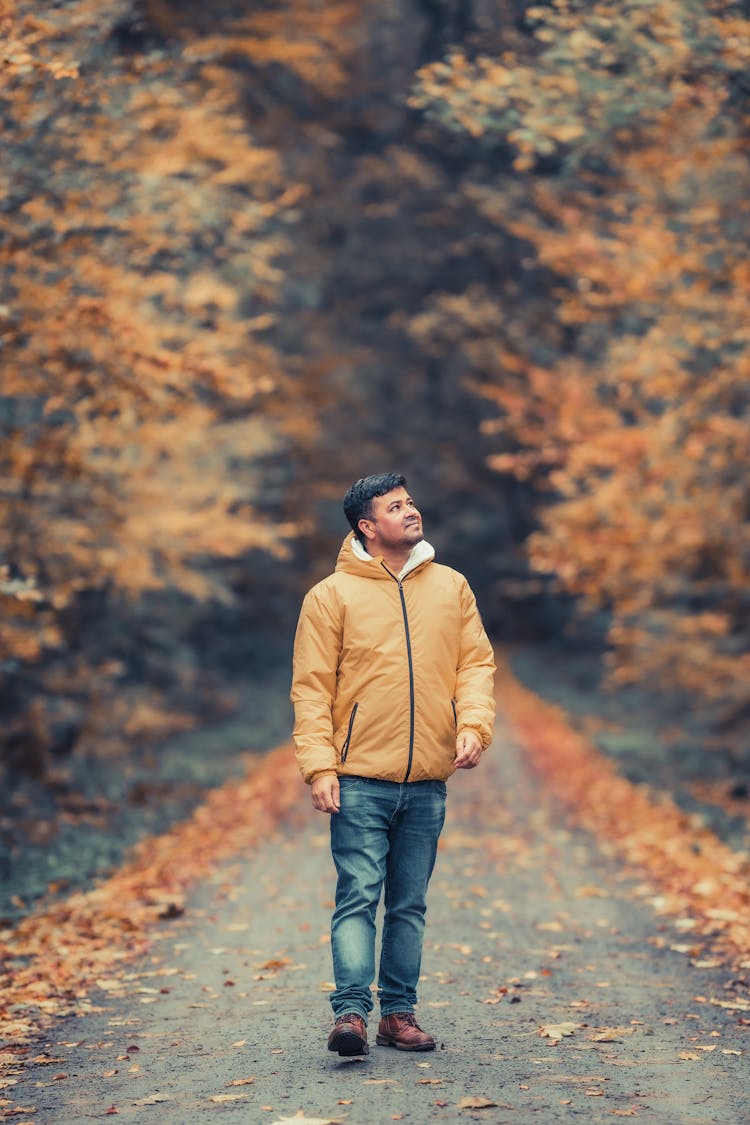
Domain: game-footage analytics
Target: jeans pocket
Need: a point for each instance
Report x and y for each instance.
(351, 785)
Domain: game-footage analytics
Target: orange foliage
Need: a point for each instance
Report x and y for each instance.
(144, 236)
(696, 876)
(638, 425)
(54, 958)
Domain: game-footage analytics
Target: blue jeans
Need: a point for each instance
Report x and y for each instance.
(385, 833)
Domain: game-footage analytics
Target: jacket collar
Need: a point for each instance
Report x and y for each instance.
(354, 557)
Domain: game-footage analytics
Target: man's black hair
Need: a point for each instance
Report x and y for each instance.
(359, 498)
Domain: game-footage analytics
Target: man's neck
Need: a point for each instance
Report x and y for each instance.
(396, 561)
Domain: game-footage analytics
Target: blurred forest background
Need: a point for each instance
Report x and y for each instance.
(254, 250)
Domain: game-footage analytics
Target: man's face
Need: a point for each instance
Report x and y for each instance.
(395, 522)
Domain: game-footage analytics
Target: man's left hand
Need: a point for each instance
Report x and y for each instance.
(468, 750)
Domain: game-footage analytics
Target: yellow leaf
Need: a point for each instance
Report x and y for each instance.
(557, 1031)
(300, 1119)
(610, 1034)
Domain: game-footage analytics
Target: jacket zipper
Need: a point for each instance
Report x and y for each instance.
(411, 682)
(345, 747)
(411, 669)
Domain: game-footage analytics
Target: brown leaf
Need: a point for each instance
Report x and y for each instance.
(610, 1034)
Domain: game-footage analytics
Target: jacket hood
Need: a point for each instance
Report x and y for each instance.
(354, 559)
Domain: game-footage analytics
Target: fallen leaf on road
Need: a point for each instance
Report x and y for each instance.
(276, 963)
(300, 1119)
(227, 1097)
(736, 1004)
(610, 1034)
(475, 1103)
(241, 1082)
(557, 1031)
(688, 1056)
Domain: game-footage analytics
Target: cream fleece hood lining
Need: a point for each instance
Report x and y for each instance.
(420, 553)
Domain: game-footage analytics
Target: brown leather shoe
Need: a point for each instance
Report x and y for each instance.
(402, 1031)
(349, 1035)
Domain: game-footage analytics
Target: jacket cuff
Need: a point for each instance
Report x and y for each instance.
(320, 773)
(481, 735)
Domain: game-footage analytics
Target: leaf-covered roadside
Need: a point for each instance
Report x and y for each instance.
(692, 876)
(53, 959)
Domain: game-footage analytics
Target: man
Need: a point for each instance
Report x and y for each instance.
(392, 692)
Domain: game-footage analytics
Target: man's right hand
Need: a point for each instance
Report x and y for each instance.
(325, 793)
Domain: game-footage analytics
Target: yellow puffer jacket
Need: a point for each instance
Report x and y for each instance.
(387, 670)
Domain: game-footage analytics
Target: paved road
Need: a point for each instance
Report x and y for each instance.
(531, 925)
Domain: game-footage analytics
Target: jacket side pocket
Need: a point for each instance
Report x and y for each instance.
(345, 747)
(455, 714)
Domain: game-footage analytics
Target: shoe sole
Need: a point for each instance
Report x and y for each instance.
(383, 1042)
(348, 1044)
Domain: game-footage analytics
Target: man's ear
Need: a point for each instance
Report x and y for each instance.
(367, 528)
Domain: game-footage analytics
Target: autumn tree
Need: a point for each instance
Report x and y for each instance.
(143, 232)
(626, 126)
